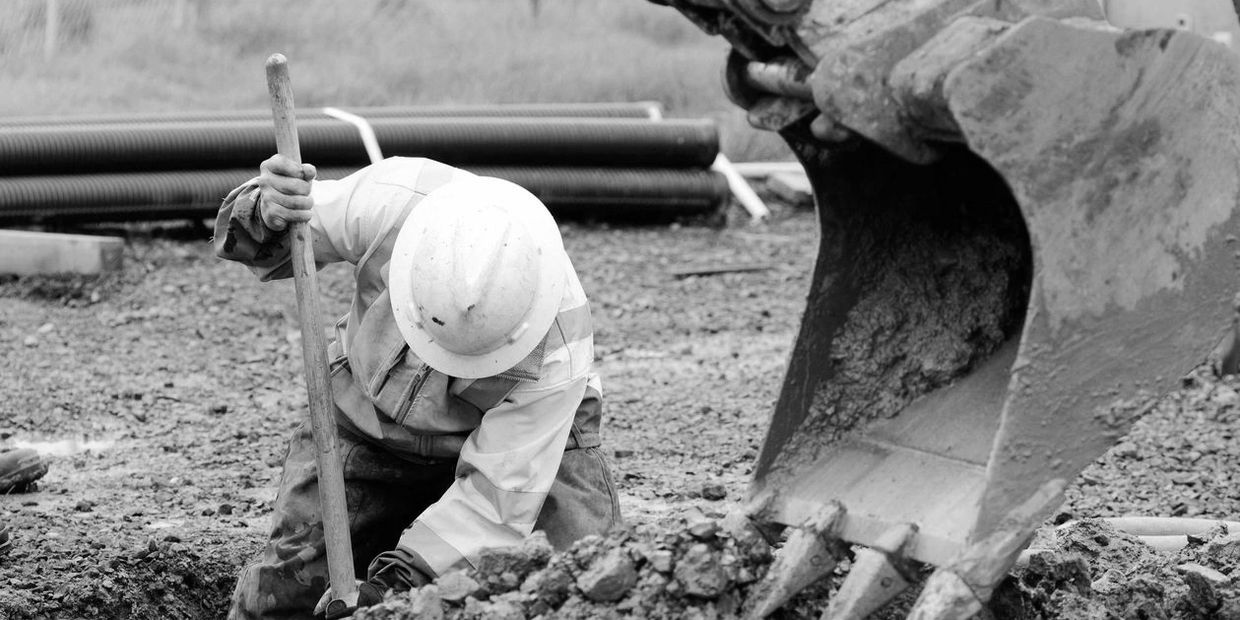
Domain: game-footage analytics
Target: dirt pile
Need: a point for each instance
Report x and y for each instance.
(159, 578)
(1089, 570)
(701, 570)
(706, 569)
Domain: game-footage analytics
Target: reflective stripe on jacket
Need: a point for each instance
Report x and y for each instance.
(509, 430)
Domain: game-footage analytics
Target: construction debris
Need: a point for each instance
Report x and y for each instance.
(27, 253)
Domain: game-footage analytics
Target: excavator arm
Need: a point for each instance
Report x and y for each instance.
(1029, 224)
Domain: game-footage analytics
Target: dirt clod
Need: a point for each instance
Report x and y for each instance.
(456, 586)
(701, 573)
(714, 492)
(609, 578)
(1087, 569)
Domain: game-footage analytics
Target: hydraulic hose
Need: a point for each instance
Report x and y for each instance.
(639, 109)
(620, 143)
(570, 193)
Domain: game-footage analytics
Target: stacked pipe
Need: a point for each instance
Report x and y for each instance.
(594, 161)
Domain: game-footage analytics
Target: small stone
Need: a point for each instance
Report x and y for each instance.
(1110, 582)
(1125, 450)
(474, 608)
(701, 573)
(30, 341)
(1203, 586)
(84, 506)
(225, 509)
(552, 586)
(714, 492)
(456, 586)
(660, 560)
(622, 454)
(425, 603)
(509, 580)
(609, 578)
(700, 526)
(46, 327)
(498, 567)
(1224, 395)
(501, 608)
(1224, 550)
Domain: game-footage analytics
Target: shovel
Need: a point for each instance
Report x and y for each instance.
(314, 354)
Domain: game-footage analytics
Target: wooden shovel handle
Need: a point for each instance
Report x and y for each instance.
(314, 352)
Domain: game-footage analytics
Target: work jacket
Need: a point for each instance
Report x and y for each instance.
(508, 432)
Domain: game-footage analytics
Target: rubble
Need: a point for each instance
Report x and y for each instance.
(1090, 570)
(703, 569)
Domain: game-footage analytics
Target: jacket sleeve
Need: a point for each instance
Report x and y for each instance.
(509, 463)
(350, 216)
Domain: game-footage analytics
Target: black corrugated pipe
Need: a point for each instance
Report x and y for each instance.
(639, 109)
(458, 141)
(570, 193)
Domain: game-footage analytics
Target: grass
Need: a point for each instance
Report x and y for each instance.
(117, 56)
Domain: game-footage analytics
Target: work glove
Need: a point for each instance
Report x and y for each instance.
(391, 570)
(367, 594)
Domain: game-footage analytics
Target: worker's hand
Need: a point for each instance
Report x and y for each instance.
(390, 570)
(368, 593)
(285, 190)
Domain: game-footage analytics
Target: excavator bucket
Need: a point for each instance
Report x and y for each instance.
(1028, 233)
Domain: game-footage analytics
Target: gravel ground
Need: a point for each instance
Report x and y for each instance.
(165, 395)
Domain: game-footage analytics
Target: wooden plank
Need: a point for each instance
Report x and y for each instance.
(27, 253)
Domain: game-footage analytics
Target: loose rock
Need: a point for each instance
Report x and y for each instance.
(456, 586)
(714, 492)
(609, 579)
(701, 573)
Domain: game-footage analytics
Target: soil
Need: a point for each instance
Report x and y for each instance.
(163, 397)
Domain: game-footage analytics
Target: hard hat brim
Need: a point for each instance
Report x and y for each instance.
(552, 265)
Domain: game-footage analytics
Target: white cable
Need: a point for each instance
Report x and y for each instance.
(363, 129)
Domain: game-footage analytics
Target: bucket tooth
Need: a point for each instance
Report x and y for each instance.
(811, 552)
(946, 597)
(878, 574)
(961, 589)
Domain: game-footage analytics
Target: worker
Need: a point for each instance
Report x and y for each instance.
(466, 402)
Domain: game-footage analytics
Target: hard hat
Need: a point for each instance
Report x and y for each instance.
(476, 277)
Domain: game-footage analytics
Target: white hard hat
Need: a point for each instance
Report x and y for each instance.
(476, 277)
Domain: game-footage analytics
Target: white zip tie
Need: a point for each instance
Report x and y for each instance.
(363, 129)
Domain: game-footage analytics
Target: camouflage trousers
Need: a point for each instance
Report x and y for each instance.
(385, 493)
